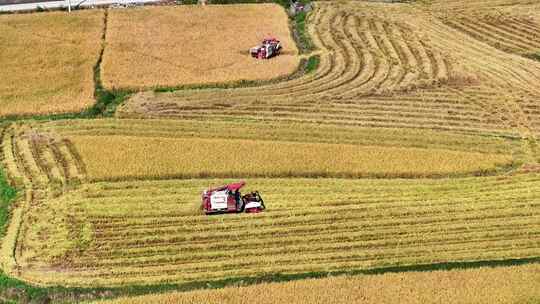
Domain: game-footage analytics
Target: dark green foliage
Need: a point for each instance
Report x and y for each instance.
(312, 64)
(300, 34)
(7, 195)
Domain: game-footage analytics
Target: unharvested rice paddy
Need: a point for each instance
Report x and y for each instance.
(172, 46)
(517, 284)
(47, 62)
(131, 157)
(414, 143)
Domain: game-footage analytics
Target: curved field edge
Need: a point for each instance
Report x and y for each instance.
(515, 284)
(311, 225)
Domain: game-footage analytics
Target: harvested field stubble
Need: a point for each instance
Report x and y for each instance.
(189, 45)
(504, 285)
(371, 54)
(148, 232)
(47, 61)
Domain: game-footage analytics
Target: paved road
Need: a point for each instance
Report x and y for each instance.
(63, 4)
(6, 2)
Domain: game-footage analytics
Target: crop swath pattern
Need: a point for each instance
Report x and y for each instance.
(313, 225)
(45, 166)
(510, 34)
(375, 71)
(361, 55)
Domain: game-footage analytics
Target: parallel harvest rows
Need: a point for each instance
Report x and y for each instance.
(45, 167)
(511, 34)
(313, 225)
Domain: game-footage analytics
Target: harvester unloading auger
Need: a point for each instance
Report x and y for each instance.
(228, 199)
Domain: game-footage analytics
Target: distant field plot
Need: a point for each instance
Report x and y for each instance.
(502, 285)
(47, 61)
(172, 46)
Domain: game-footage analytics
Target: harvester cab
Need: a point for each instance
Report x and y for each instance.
(268, 48)
(228, 199)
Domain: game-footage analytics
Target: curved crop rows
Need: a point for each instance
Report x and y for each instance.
(45, 166)
(398, 69)
(361, 55)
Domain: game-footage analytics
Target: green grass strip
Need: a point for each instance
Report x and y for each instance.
(7, 195)
(312, 64)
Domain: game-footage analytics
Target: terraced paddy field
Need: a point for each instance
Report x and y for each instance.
(291, 150)
(414, 144)
(151, 231)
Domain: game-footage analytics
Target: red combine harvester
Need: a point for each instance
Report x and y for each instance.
(268, 48)
(227, 199)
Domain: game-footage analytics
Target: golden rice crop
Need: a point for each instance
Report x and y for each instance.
(47, 61)
(136, 157)
(283, 131)
(147, 232)
(171, 46)
(501, 285)
(398, 92)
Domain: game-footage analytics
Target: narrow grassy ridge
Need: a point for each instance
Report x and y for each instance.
(7, 195)
(300, 32)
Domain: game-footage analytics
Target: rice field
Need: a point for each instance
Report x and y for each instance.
(108, 233)
(194, 45)
(380, 66)
(516, 284)
(135, 157)
(147, 232)
(48, 62)
(414, 143)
